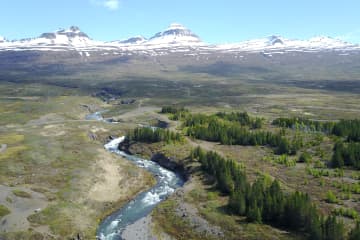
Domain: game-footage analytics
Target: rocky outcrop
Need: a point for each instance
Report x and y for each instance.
(171, 164)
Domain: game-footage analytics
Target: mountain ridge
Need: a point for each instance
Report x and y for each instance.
(174, 37)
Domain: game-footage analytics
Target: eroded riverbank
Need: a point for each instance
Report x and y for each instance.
(167, 181)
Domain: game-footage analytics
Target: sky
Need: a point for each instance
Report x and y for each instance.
(215, 21)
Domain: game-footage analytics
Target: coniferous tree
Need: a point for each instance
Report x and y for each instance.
(355, 232)
(264, 202)
(333, 230)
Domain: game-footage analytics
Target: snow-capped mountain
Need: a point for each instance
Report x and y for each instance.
(176, 38)
(60, 39)
(278, 43)
(71, 36)
(175, 34)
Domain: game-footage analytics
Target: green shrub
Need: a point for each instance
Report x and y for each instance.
(346, 212)
(331, 197)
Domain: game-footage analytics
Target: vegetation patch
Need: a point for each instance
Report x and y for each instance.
(4, 211)
(261, 202)
(20, 193)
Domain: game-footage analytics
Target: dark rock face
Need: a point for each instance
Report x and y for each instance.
(275, 40)
(162, 124)
(74, 28)
(133, 40)
(125, 146)
(128, 101)
(164, 161)
(48, 35)
(175, 32)
(71, 33)
(170, 164)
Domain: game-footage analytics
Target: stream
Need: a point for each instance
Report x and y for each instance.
(112, 227)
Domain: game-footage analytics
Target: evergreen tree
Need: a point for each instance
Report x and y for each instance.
(333, 230)
(254, 214)
(355, 233)
(237, 202)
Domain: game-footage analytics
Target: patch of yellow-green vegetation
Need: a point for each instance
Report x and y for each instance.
(67, 219)
(43, 103)
(20, 193)
(11, 139)
(24, 235)
(14, 111)
(13, 152)
(4, 211)
(167, 221)
(14, 146)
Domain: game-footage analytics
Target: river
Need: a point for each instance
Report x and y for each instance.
(112, 227)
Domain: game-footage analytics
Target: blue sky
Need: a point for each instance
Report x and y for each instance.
(214, 21)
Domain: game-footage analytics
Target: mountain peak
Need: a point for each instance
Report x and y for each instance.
(175, 33)
(275, 40)
(74, 29)
(71, 33)
(176, 26)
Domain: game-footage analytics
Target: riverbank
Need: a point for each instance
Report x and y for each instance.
(139, 207)
(58, 158)
(139, 230)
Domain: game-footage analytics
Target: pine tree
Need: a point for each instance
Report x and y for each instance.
(254, 214)
(355, 232)
(333, 230)
(337, 159)
(237, 202)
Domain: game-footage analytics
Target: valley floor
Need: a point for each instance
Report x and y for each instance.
(57, 181)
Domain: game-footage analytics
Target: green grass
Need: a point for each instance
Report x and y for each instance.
(4, 211)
